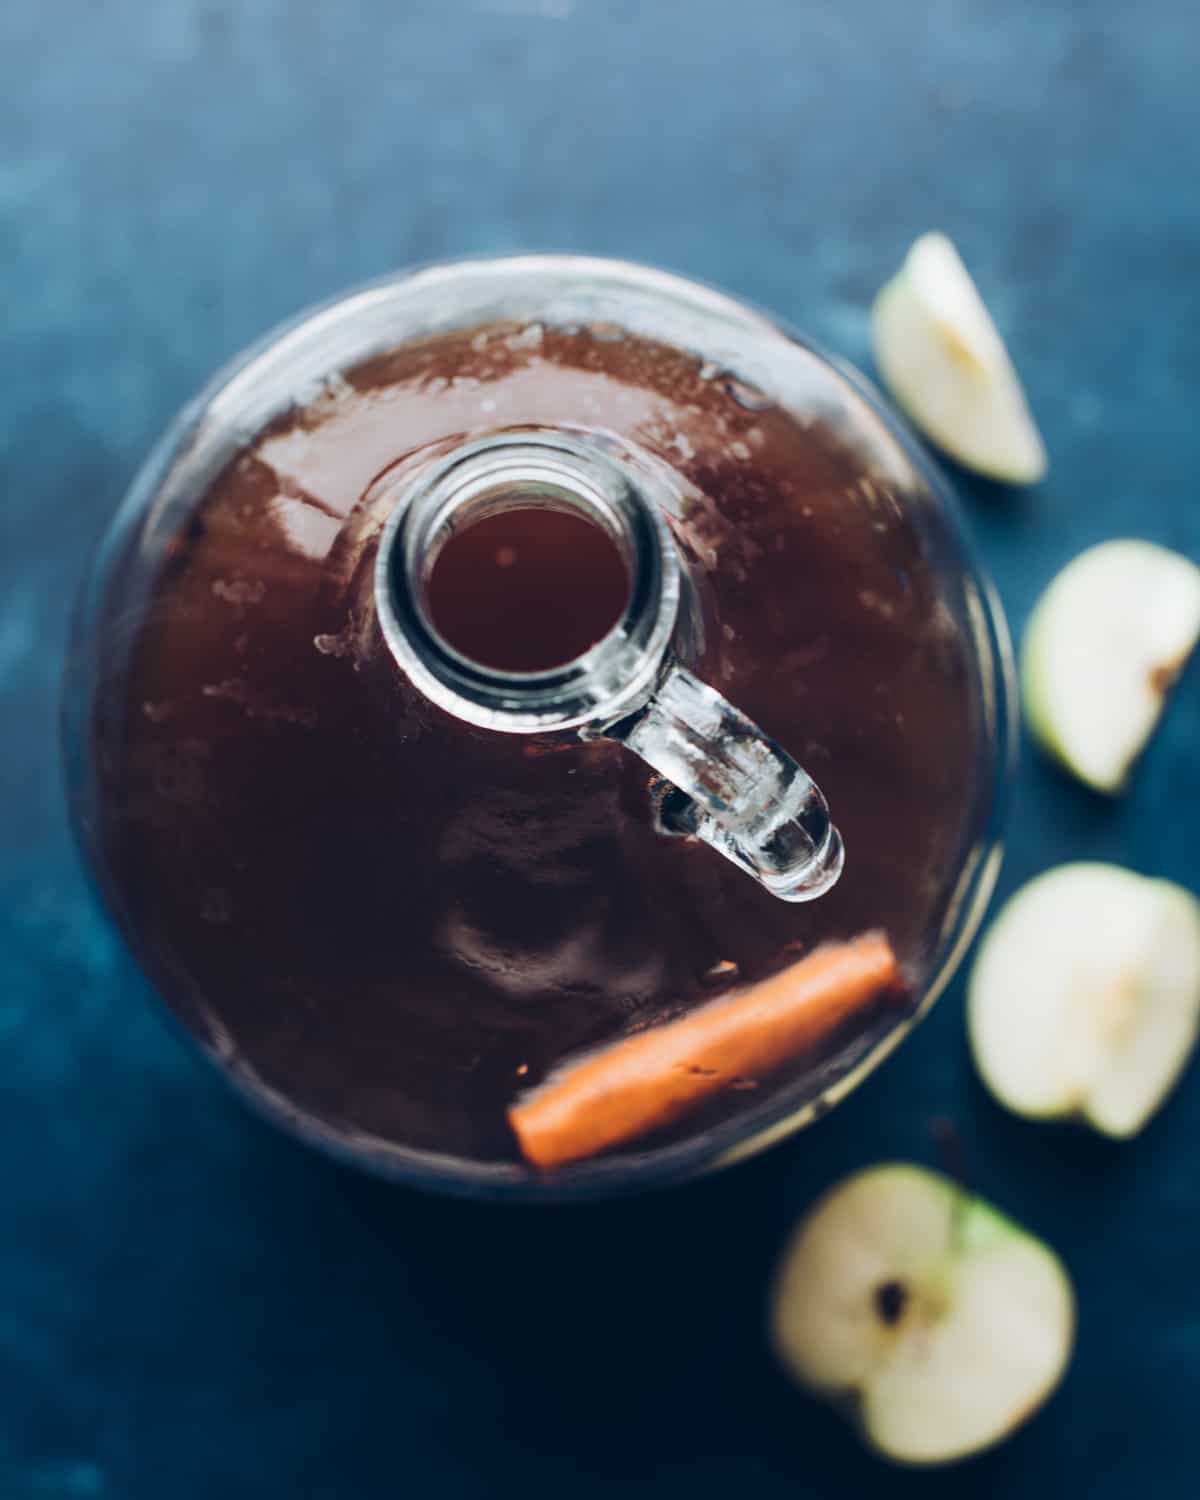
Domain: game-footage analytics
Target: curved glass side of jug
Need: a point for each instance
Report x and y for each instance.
(288, 368)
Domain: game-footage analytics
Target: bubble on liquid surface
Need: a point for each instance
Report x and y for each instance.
(332, 645)
(240, 591)
(530, 337)
(747, 396)
(723, 972)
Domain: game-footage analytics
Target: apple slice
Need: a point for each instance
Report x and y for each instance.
(1084, 999)
(1101, 650)
(939, 354)
(942, 1322)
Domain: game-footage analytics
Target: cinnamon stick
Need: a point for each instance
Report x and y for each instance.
(647, 1080)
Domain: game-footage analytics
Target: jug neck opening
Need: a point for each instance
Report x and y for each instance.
(584, 476)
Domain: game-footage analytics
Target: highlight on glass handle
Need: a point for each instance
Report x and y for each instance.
(737, 789)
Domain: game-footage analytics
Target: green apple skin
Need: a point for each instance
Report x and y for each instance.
(945, 365)
(1096, 720)
(1083, 1001)
(982, 1338)
(1035, 696)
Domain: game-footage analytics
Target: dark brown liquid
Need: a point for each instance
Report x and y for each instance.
(389, 923)
(527, 589)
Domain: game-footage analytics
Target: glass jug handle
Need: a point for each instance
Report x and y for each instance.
(736, 788)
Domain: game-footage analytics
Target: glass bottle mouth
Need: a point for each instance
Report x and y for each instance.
(590, 475)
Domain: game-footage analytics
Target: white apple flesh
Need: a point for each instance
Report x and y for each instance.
(1084, 998)
(1101, 650)
(944, 1324)
(945, 364)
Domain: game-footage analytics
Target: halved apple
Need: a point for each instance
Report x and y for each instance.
(1101, 650)
(941, 1322)
(941, 357)
(1084, 999)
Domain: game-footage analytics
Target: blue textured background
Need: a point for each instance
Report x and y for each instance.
(191, 1306)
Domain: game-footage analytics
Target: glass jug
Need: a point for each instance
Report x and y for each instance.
(506, 659)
